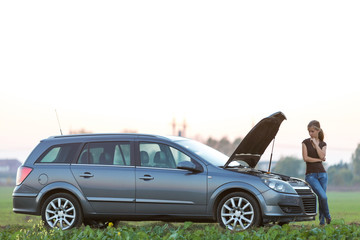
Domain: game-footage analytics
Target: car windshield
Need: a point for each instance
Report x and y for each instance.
(209, 154)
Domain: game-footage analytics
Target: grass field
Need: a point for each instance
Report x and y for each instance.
(344, 206)
(8, 216)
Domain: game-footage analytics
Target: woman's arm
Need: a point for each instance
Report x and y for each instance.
(306, 157)
(320, 152)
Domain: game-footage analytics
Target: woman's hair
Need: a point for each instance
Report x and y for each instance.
(316, 124)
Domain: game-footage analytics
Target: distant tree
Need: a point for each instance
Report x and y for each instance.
(340, 175)
(129, 130)
(236, 143)
(290, 166)
(223, 145)
(79, 131)
(356, 165)
(211, 142)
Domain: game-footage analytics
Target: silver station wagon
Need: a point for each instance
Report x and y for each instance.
(75, 179)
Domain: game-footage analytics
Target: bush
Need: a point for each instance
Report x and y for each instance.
(188, 230)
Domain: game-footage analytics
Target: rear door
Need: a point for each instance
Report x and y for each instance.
(161, 188)
(106, 174)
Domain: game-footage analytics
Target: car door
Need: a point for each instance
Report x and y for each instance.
(106, 176)
(161, 188)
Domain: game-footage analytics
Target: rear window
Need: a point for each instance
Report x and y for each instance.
(64, 153)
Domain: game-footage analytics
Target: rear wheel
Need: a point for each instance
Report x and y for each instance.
(238, 211)
(61, 210)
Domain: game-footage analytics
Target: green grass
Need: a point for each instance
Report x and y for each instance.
(8, 217)
(344, 207)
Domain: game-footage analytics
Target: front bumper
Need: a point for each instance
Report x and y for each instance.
(281, 207)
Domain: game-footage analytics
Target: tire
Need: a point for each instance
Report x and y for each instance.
(61, 210)
(238, 211)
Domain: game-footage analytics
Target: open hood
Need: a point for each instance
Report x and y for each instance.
(257, 140)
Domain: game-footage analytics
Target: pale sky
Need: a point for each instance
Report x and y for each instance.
(107, 66)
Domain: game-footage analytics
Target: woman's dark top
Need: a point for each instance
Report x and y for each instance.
(313, 167)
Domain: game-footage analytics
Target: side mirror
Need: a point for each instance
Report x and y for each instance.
(186, 165)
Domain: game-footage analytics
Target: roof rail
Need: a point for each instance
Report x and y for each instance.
(102, 134)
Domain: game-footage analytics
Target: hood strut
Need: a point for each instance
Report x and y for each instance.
(272, 150)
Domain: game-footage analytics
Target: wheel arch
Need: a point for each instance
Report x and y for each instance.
(62, 187)
(226, 189)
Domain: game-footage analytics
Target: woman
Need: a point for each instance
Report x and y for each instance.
(314, 153)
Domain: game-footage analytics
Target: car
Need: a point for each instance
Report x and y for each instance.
(75, 179)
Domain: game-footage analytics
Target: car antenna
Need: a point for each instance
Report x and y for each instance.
(272, 150)
(58, 122)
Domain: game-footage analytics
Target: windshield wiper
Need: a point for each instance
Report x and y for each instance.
(239, 166)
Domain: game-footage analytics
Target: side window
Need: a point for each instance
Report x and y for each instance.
(147, 153)
(51, 155)
(106, 153)
(182, 157)
(122, 154)
(160, 155)
(59, 154)
(179, 156)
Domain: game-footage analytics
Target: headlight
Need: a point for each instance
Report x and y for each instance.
(278, 185)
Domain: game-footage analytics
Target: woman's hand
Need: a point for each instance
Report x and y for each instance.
(310, 159)
(320, 151)
(315, 142)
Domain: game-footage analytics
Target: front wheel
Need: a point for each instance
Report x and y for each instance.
(238, 211)
(61, 210)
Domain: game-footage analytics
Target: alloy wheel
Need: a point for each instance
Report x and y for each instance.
(237, 213)
(61, 213)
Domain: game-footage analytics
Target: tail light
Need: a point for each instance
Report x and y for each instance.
(22, 173)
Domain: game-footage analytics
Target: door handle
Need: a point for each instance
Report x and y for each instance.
(147, 177)
(86, 175)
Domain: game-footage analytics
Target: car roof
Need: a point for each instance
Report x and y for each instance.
(108, 136)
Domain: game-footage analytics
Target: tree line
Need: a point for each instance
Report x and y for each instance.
(223, 145)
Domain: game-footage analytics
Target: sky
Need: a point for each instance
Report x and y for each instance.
(222, 66)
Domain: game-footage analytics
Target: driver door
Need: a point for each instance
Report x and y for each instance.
(161, 188)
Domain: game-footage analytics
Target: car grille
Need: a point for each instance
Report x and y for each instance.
(309, 204)
(304, 191)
